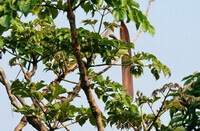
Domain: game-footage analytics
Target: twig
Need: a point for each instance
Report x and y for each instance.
(79, 5)
(112, 64)
(102, 16)
(150, 108)
(113, 36)
(17, 55)
(104, 70)
(156, 117)
(74, 93)
(64, 126)
(140, 30)
(70, 81)
(22, 69)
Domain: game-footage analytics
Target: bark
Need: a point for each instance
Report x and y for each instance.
(127, 78)
(22, 124)
(36, 123)
(32, 120)
(5, 82)
(82, 69)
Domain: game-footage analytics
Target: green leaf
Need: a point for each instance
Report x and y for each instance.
(5, 20)
(39, 96)
(151, 116)
(54, 13)
(93, 121)
(24, 6)
(17, 24)
(82, 121)
(87, 7)
(145, 26)
(59, 90)
(2, 29)
(39, 49)
(1, 42)
(151, 30)
(181, 128)
(133, 3)
(119, 14)
(155, 73)
(97, 2)
(105, 98)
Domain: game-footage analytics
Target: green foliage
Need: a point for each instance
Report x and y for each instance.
(40, 42)
(137, 65)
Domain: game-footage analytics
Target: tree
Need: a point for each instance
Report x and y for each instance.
(69, 50)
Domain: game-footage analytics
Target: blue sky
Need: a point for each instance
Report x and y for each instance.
(176, 44)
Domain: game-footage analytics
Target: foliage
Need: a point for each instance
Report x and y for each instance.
(41, 42)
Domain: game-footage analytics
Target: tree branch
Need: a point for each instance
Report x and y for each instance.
(82, 69)
(140, 30)
(22, 124)
(36, 123)
(8, 89)
(70, 81)
(158, 114)
(83, 1)
(104, 70)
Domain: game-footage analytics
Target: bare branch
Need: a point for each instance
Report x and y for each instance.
(70, 81)
(159, 112)
(63, 126)
(140, 30)
(104, 70)
(22, 69)
(113, 36)
(8, 89)
(21, 100)
(22, 124)
(74, 93)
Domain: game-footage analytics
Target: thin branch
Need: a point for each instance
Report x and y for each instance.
(158, 114)
(113, 36)
(140, 30)
(83, 1)
(104, 70)
(8, 89)
(22, 69)
(18, 56)
(102, 16)
(150, 108)
(37, 104)
(63, 126)
(52, 53)
(22, 124)
(55, 7)
(74, 93)
(70, 81)
(112, 64)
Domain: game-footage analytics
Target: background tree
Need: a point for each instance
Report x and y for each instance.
(65, 50)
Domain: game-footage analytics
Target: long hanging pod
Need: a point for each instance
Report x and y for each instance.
(127, 78)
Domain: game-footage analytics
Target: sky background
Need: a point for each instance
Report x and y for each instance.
(176, 44)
